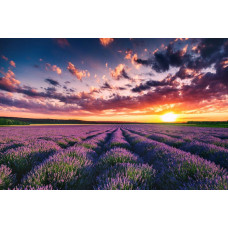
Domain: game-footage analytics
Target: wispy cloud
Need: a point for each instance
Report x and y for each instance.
(119, 72)
(53, 68)
(52, 82)
(76, 72)
(106, 41)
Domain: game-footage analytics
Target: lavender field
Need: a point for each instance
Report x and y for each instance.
(113, 157)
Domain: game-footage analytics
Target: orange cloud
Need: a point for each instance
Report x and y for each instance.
(4, 57)
(53, 68)
(94, 90)
(181, 39)
(224, 63)
(133, 61)
(106, 41)
(12, 63)
(156, 50)
(184, 50)
(116, 74)
(76, 72)
(128, 54)
(9, 81)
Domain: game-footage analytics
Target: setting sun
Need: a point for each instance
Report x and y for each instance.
(169, 117)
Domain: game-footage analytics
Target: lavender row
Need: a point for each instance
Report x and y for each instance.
(22, 159)
(120, 169)
(117, 140)
(211, 152)
(178, 169)
(216, 136)
(71, 168)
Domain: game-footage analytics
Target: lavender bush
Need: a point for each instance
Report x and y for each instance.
(127, 176)
(7, 179)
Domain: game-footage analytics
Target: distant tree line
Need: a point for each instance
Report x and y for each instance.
(4, 121)
(207, 122)
(27, 121)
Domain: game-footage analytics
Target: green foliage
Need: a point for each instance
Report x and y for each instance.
(4, 121)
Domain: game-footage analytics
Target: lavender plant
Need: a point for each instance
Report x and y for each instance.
(127, 176)
(7, 178)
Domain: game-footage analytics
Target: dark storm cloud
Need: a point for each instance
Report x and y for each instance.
(161, 61)
(106, 85)
(34, 106)
(50, 90)
(148, 85)
(129, 85)
(124, 74)
(209, 47)
(209, 51)
(121, 88)
(168, 81)
(69, 90)
(148, 73)
(52, 82)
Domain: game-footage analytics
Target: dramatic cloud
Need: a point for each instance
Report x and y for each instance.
(106, 85)
(53, 68)
(133, 58)
(106, 41)
(148, 85)
(94, 90)
(50, 90)
(52, 82)
(209, 51)
(8, 82)
(189, 76)
(76, 72)
(209, 47)
(119, 72)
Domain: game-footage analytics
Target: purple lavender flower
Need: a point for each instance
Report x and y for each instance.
(7, 178)
(214, 153)
(127, 176)
(117, 155)
(117, 140)
(177, 168)
(70, 169)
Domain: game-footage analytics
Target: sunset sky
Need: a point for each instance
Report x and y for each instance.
(114, 79)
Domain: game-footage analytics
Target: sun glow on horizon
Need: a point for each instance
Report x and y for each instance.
(169, 117)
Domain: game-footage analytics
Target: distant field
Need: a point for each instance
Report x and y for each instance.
(140, 156)
(172, 124)
(197, 125)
